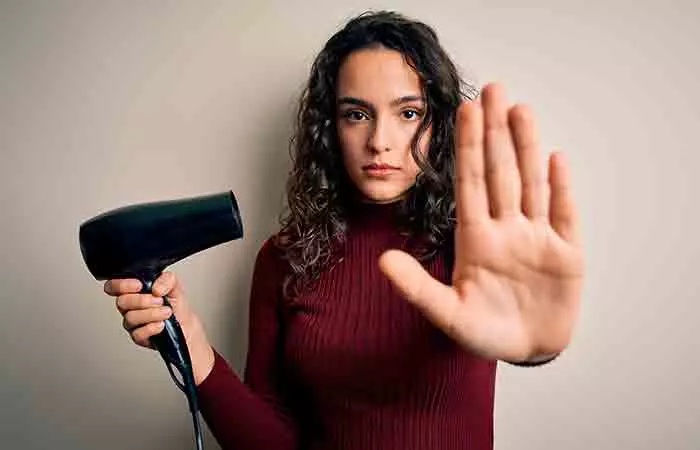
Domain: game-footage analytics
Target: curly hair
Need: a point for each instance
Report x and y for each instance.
(314, 222)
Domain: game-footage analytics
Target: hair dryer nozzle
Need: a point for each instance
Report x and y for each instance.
(140, 241)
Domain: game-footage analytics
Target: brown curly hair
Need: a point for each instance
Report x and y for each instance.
(313, 224)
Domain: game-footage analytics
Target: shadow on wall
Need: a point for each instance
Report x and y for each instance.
(263, 210)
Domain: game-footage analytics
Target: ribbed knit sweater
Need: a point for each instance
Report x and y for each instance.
(349, 364)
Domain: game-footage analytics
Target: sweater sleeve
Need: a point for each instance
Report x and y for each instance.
(255, 413)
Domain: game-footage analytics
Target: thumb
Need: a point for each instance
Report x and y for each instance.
(167, 284)
(434, 299)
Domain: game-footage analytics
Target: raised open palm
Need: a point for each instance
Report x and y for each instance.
(518, 273)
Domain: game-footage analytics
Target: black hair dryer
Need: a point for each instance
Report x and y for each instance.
(140, 241)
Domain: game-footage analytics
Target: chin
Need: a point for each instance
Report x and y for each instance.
(383, 194)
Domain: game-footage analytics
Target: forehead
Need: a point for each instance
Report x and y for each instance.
(378, 75)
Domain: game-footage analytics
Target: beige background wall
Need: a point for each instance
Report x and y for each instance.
(105, 103)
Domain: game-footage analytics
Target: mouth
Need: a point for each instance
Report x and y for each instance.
(375, 169)
(375, 166)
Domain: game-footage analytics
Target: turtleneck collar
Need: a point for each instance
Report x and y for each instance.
(381, 215)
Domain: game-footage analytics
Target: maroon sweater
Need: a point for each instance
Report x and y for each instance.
(349, 364)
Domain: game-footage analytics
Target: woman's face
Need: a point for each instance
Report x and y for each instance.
(379, 108)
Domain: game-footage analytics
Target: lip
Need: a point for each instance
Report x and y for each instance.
(375, 166)
(379, 170)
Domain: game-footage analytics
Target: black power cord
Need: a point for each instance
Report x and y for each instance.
(190, 390)
(172, 346)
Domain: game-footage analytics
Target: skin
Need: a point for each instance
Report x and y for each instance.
(380, 107)
(518, 273)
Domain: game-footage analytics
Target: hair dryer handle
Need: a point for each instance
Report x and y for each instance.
(172, 346)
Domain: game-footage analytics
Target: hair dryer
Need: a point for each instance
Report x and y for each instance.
(140, 241)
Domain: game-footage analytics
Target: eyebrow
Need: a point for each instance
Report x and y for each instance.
(365, 104)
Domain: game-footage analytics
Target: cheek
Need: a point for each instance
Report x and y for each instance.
(352, 141)
(424, 142)
(423, 146)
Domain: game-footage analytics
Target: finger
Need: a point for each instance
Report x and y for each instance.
(122, 286)
(435, 300)
(502, 175)
(470, 193)
(137, 301)
(142, 335)
(534, 189)
(562, 211)
(167, 284)
(139, 317)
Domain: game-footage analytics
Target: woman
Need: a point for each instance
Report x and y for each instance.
(422, 244)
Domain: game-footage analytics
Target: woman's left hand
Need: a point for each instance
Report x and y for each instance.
(518, 273)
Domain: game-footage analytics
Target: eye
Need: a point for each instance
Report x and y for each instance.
(410, 114)
(354, 115)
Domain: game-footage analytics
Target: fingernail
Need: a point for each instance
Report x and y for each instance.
(166, 310)
(157, 301)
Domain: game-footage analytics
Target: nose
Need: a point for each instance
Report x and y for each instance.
(379, 139)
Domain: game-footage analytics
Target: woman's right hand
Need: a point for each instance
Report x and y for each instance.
(143, 316)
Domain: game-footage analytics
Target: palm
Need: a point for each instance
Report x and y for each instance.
(517, 276)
